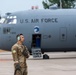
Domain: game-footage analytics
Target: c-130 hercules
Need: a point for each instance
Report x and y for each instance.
(50, 30)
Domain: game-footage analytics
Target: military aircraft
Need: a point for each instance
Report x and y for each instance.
(51, 30)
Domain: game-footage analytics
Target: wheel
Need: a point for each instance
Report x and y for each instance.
(45, 56)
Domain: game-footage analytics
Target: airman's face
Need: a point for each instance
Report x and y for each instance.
(22, 38)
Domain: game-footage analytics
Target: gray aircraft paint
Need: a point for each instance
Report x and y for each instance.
(57, 29)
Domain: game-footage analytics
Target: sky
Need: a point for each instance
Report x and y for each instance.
(18, 5)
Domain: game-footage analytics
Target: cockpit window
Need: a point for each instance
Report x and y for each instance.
(2, 20)
(8, 20)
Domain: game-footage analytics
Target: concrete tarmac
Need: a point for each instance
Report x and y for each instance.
(59, 64)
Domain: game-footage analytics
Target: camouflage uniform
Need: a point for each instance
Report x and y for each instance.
(17, 50)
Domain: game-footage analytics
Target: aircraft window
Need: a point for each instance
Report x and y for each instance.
(2, 20)
(8, 16)
(9, 20)
(14, 16)
(63, 36)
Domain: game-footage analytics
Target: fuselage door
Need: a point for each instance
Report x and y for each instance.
(63, 34)
(36, 40)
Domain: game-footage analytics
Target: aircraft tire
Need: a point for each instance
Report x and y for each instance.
(45, 56)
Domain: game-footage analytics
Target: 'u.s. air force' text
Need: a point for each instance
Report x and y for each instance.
(43, 20)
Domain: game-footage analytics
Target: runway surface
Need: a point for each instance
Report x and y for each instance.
(59, 64)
